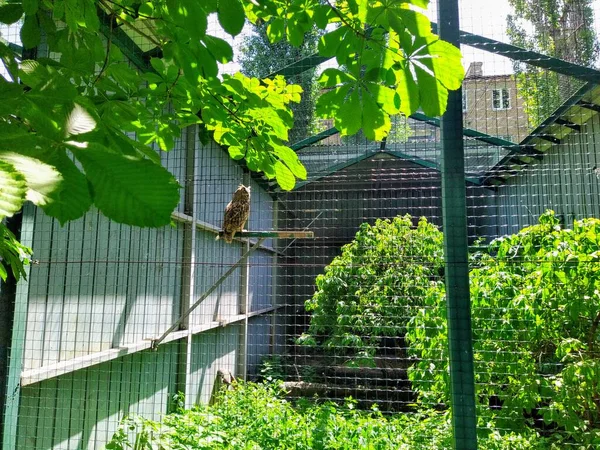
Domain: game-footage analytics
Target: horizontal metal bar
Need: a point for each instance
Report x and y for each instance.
(335, 168)
(314, 139)
(300, 66)
(589, 105)
(547, 137)
(33, 376)
(426, 163)
(527, 56)
(478, 135)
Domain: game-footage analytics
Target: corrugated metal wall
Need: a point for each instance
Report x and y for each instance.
(98, 293)
(564, 181)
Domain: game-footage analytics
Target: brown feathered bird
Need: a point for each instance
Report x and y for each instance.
(236, 214)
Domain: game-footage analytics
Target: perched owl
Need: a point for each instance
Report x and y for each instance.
(236, 213)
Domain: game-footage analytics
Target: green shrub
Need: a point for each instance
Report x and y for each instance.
(535, 312)
(256, 416)
(374, 287)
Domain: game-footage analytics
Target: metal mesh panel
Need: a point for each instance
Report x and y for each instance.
(355, 316)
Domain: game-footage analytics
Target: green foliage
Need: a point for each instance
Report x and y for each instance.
(14, 255)
(271, 369)
(374, 287)
(554, 27)
(256, 416)
(387, 56)
(67, 122)
(536, 314)
(260, 57)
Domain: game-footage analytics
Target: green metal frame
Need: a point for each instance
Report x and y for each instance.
(482, 43)
(377, 150)
(314, 139)
(537, 133)
(456, 252)
(528, 56)
(129, 48)
(478, 135)
(337, 167)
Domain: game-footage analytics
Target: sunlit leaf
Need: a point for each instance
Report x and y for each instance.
(13, 189)
(231, 16)
(43, 180)
(79, 121)
(130, 191)
(285, 177)
(348, 119)
(276, 30)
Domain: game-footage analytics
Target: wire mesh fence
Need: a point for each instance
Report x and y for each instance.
(337, 334)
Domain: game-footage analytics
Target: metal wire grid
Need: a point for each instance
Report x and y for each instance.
(98, 291)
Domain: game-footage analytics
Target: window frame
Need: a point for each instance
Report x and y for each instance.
(501, 90)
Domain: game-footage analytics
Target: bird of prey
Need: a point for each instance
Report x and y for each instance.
(236, 213)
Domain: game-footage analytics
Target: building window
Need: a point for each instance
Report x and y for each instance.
(500, 99)
(464, 101)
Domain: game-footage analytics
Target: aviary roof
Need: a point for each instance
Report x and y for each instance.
(489, 161)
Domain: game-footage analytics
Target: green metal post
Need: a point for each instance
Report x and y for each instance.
(456, 250)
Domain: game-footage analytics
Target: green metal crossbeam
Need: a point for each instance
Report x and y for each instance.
(14, 47)
(576, 99)
(478, 135)
(426, 163)
(568, 124)
(300, 66)
(129, 48)
(369, 154)
(314, 139)
(335, 168)
(589, 105)
(548, 137)
(483, 43)
(528, 56)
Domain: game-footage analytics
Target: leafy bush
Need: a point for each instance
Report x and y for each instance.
(535, 311)
(271, 369)
(256, 416)
(374, 287)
